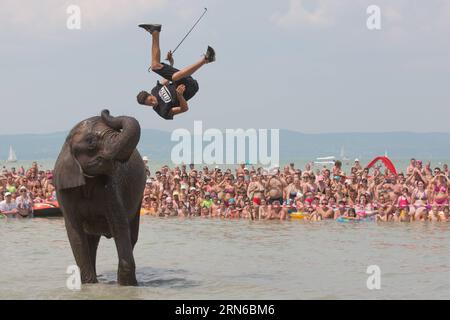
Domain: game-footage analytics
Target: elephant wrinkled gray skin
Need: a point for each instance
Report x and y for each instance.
(100, 178)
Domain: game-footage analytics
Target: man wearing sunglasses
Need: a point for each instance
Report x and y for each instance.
(24, 203)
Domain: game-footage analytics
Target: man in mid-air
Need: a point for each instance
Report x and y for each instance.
(169, 97)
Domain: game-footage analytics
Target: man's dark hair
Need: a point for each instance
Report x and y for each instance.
(142, 97)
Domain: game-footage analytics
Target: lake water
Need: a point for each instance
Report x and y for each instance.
(216, 259)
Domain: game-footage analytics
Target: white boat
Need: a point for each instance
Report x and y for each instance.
(12, 155)
(324, 162)
(326, 158)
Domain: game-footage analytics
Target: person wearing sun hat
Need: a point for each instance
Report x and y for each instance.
(24, 203)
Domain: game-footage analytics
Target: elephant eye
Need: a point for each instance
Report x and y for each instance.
(91, 142)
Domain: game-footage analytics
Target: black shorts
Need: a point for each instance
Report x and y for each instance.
(191, 84)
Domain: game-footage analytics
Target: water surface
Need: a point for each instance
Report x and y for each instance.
(216, 259)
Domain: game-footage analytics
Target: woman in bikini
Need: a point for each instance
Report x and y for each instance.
(420, 198)
(364, 209)
(229, 188)
(440, 190)
(263, 209)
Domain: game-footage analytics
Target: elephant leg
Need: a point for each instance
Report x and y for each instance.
(81, 251)
(126, 274)
(134, 228)
(93, 241)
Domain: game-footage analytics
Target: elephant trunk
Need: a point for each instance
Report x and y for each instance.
(124, 143)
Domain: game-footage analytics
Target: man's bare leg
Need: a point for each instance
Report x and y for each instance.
(209, 57)
(156, 52)
(186, 72)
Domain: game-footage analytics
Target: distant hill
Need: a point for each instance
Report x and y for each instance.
(293, 145)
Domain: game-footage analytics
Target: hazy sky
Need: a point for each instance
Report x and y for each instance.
(305, 65)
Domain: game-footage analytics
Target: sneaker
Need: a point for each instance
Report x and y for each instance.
(151, 27)
(210, 55)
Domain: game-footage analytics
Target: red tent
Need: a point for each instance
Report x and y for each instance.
(388, 163)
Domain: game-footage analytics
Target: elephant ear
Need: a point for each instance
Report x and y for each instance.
(68, 173)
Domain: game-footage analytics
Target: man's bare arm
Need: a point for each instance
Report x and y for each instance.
(183, 107)
(170, 58)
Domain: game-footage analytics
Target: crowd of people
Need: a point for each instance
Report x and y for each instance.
(420, 193)
(20, 189)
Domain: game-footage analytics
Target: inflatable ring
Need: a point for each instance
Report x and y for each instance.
(297, 215)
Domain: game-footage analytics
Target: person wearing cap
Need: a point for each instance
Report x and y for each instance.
(246, 174)
(7, 206)
(357, 166)
(24, 203)
(192, 190)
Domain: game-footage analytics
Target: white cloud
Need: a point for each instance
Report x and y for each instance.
(305, 13)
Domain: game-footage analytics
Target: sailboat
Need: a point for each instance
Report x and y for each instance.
(343, 157)
(12, 155)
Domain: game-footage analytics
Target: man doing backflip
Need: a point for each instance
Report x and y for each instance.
(169, 97)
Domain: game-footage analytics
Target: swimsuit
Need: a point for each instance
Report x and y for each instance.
(403, 202)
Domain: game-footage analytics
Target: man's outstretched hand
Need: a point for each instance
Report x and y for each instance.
(170, 57)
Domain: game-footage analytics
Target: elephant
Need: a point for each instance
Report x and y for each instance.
(100, 178)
